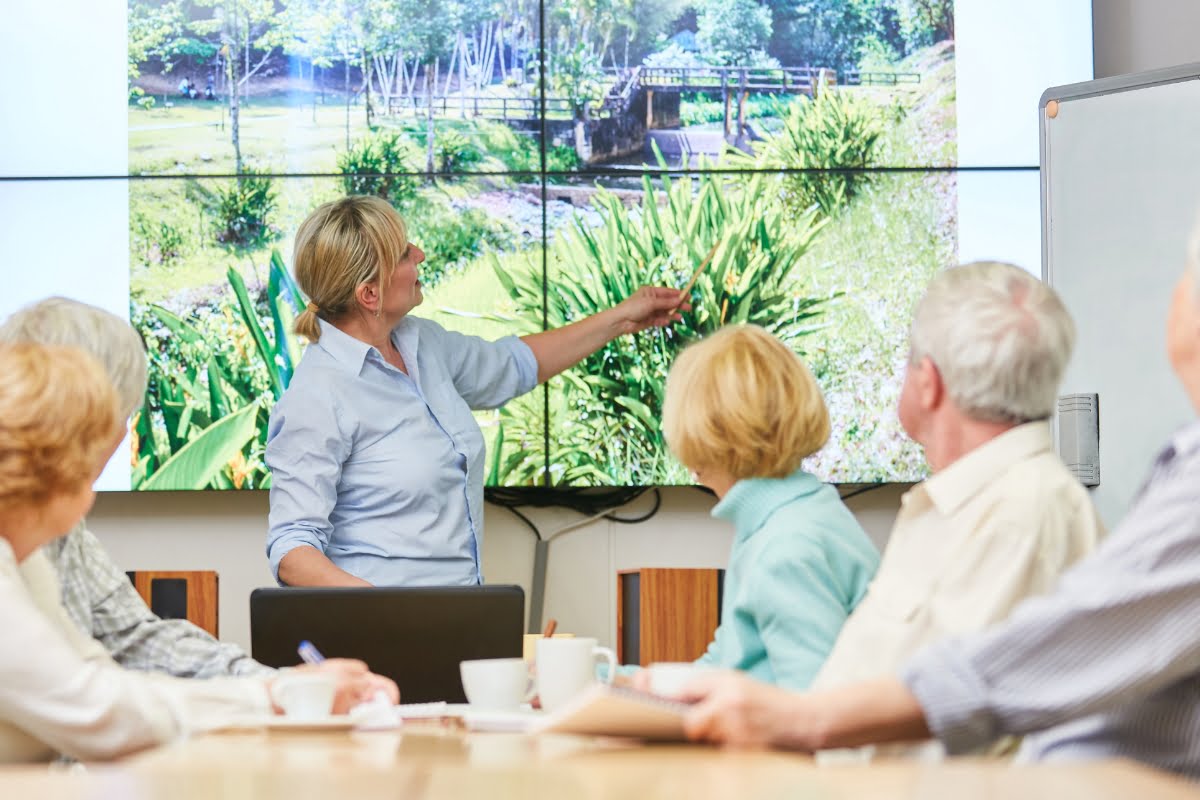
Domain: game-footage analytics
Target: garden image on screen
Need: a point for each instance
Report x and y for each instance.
(549, 157)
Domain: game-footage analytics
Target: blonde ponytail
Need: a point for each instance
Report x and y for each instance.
(306, 324)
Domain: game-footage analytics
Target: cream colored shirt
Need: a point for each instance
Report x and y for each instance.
(969, 544)
(61, 693)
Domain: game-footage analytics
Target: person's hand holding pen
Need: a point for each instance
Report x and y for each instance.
(355, 682)
(650, 307)
(658, 306)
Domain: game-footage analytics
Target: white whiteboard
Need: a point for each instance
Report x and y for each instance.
(1120, 192)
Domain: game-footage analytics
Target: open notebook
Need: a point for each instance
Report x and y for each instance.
(615, 711)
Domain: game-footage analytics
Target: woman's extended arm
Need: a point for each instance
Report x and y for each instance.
(563, 348)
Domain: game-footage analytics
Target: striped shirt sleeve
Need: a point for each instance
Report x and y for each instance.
(1118, 628)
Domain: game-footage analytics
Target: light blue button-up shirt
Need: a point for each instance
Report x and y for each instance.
(382, 471)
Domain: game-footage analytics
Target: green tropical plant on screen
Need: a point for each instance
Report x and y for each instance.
(830, 139)
(213, 380)
(452, 236)
(241, 208)
(383, 164)
(455, 152)
(510, 151)
(157, 241)
(607, 410)
(517, 455)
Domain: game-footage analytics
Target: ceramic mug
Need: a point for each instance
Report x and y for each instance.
(530, 640)
(565, 667)
(499, 684)
(304, 695)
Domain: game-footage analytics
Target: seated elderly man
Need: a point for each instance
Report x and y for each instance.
(95, 593)
(1107, 665)
(1001, 517)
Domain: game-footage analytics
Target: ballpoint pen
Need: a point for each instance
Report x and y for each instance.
(309, 654)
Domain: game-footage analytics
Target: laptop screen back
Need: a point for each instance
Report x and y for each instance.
(415, 636)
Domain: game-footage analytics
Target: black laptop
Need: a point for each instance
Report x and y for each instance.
(415, 636)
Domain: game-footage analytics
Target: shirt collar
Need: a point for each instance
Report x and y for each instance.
(352, 353)
(952, 487)
(749, 502)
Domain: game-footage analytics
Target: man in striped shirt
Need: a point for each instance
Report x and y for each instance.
(1105, 666)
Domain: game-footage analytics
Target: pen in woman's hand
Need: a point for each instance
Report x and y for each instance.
(309, 654)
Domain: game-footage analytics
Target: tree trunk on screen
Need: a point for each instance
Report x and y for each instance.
(431, 79)
(366, 71)
(462, 78)
(583, 148)
(235, 133)
(504, 76)
(231, 75)
(346, 72)
(445, 94)
(741, 115)
(246, 51)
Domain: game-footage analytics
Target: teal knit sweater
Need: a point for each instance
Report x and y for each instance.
(800, 564)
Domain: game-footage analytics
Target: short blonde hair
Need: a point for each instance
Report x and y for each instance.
(58, 417)
(340, 246)
(107, 337)
(1000, 338)
(741, 401)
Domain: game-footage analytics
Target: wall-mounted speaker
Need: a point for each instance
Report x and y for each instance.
(180, 595)
(667, 614)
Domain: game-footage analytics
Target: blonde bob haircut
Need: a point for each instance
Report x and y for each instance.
(340, 246)
(742, 402)
(59, 416)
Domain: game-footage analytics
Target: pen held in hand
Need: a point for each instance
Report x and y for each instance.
(683, 294)
(309, 654)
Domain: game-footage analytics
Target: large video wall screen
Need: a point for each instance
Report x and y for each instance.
(546, 156)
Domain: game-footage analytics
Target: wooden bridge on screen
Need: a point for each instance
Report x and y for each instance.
(628, 111)
(725, 82)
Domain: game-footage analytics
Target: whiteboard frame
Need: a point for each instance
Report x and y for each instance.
(1152, 79)
(1079, 91)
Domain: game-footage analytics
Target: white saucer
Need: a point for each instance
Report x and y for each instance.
(501, 721)
(337, 722)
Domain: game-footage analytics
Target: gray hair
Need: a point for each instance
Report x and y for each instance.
(999, 337)
(107, 337)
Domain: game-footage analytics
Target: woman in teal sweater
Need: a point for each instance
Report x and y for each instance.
(742, 411)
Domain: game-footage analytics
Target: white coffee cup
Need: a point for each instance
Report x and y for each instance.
(495, 683)
(304, 695)
(565, 667)
(667, 678)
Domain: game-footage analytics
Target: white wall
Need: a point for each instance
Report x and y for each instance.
(225, 532)
(1137, 35)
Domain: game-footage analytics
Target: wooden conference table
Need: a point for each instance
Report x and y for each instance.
(431, 761)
